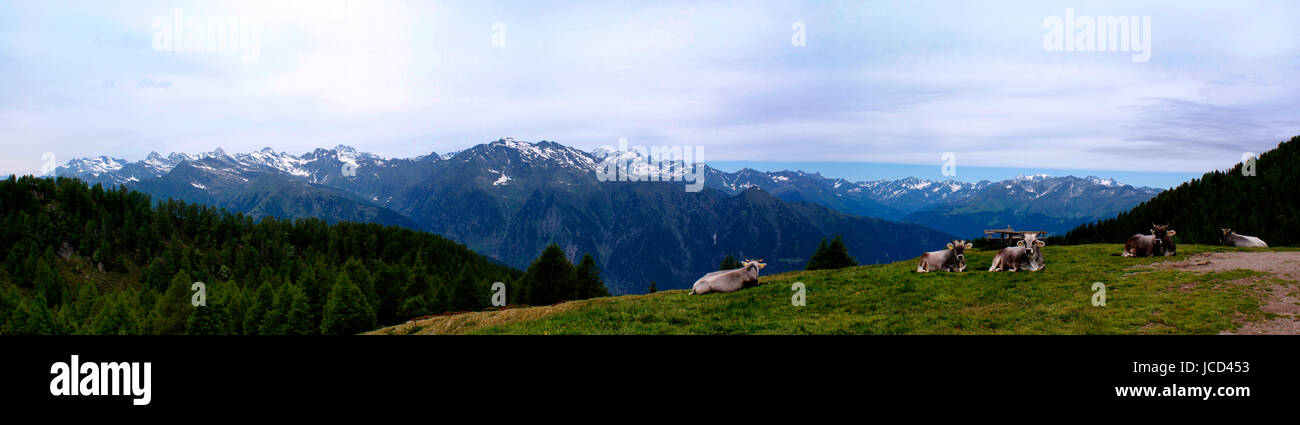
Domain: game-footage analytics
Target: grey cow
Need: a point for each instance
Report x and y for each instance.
(1027, 254)
(952, 259)
(1159, 242)
(1231, 238)
(729, 280)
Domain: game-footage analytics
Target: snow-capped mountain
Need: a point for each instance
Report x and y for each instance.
(510, 198)
(912, 194)
(1038, 202)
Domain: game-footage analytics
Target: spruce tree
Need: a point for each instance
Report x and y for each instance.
(838, 254)
(207, 320)
(730, 262)
(346, 312)
(263, 301)
(48, 282)
(297, 317)
(587, 282)
(550, 278)
(818, 258)
(832, 256)
(34, 318)
(273, 323)
(173, 309)
(9, 305)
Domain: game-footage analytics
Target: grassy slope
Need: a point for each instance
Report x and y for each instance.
(893, 299)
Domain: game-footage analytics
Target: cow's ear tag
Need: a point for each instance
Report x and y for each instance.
(949, 245)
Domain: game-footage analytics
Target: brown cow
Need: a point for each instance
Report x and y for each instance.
(1027, 254)
(1159, 242)
(952, 259)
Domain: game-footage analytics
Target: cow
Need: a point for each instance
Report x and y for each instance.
(729, 280)
(1027, 254)
(952, 259)
(1231, 238)
(1159, 242)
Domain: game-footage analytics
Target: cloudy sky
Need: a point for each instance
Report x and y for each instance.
(874, 82)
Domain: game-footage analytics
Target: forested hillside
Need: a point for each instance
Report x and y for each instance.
(1262, 205)
(82, 259)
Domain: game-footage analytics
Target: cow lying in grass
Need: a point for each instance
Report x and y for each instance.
(952, 259)
(1231, 238)
(729, 280)
(1027, 254)
(1159, 242)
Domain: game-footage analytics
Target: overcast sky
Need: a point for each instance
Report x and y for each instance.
(879, 82)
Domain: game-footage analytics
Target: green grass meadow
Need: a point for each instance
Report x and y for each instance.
(894, 299)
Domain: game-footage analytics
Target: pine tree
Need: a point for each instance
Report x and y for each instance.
(818, 258)
(653, 288)
(832, 256)
(346, 312)
(9, 305)
(49, 283)
(263, 300)
(730, 262)
(587, 282)
(234, 305)
(207, 320)
(274, 321)
(550, 278)
(839, 254)
(34, 318)
(417, 306)
(297, 317)
(173, 309)
(84, 305)
(316, 288)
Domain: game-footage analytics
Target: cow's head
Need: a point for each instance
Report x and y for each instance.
(1031, 243)
(958, 248)
(1226, 235)
(1163, 240)
(755, 264)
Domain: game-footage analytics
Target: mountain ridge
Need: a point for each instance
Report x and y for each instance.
(508, 199)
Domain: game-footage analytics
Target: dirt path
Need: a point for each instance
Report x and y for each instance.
(1281, 299)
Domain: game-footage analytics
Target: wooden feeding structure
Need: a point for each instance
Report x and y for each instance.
(1010, 236)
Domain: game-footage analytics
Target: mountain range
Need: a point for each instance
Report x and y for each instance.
(507, 199)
